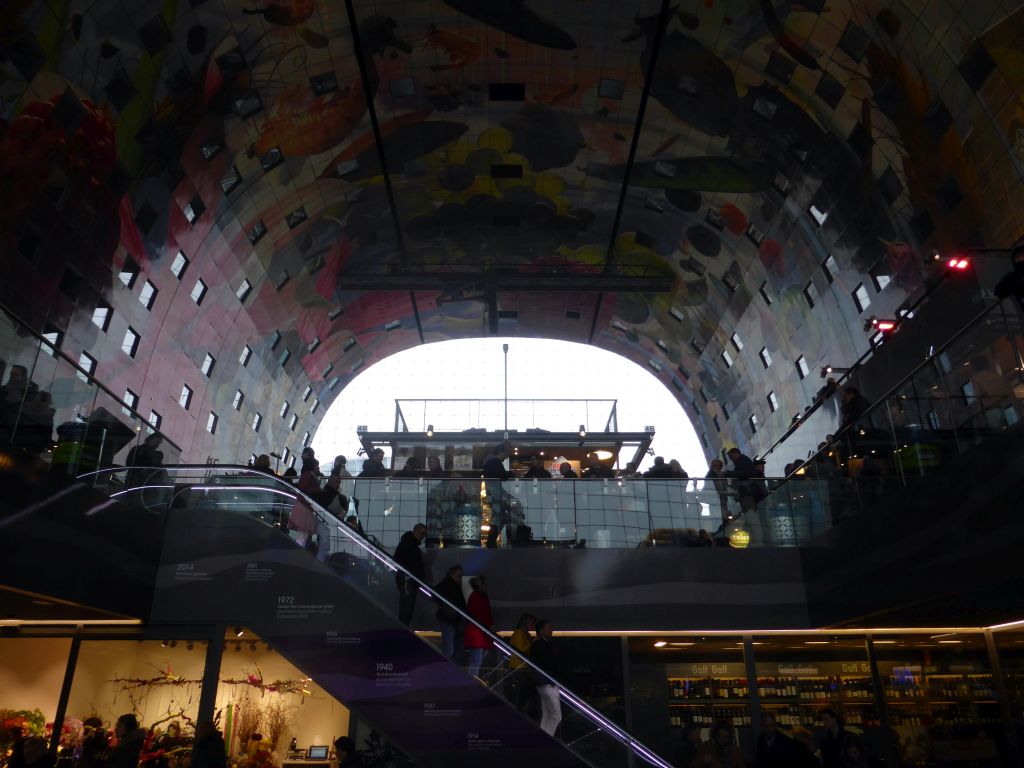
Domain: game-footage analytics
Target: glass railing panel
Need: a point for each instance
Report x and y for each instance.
(368, 569)
(549, 512)
(968, 389)
(453, 513)
(49, 402)
(607, 514)
(52, 409)
(594, 514)
(389, 507)
(805, 435)
(681, 509)
(995, 337)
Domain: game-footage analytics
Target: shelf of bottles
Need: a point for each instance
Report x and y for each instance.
(705, 693)
(796, 693)
(917, 698)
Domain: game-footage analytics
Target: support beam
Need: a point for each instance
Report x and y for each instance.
(211, 674)
(65, 694)
(416, 315)
(637, 128)
(369, 90)
(491, 297)
(609, 262)
(507, 281)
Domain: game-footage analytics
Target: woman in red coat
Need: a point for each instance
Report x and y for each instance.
(476, 642)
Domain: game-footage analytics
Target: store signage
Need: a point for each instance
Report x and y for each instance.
(795, 670)
(801, 669)
(707, 669)
(739, 538)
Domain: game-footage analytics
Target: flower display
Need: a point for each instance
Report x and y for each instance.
(15, 723)
(72, 732)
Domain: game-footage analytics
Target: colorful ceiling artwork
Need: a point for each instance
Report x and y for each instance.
(348, 179)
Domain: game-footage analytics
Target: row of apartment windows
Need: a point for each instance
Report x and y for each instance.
(102, 315)
(128, 275)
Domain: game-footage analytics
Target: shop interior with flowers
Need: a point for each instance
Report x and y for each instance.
(266, 708)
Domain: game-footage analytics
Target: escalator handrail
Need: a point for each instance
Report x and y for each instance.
(596, 717)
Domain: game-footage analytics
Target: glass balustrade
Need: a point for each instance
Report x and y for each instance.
(968, 390)
(53, 410)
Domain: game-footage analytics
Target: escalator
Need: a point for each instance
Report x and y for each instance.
(205, 545)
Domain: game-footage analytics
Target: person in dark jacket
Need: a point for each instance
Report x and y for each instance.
(544, 654)
(93, 749)
(450, 588)
(348, 756)
(434, 468)
(565, 470)
(208, 749)
(686, 753)
(37, 753)
(130, 740)
(303, 519)
(719, 483)
(409, 469)
(597, 470)
(774, 748)
(143, 462)
(374, 465)
(833, 740)
(494, 469)
(743, 469)
(742, 465)
(660, 470)
(494, 464)
(409, 556)
(1012, 283)
(536, 470)
(853, 406)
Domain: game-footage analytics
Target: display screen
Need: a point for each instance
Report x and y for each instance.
(317, 753)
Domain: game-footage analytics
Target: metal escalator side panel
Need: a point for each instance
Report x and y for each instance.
(231, 569)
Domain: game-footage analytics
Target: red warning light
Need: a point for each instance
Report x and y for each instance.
(959, 263)
(885, 326)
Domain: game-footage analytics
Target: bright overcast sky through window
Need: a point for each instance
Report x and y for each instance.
(537, 369)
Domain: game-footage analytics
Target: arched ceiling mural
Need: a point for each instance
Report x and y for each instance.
(712, 188)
